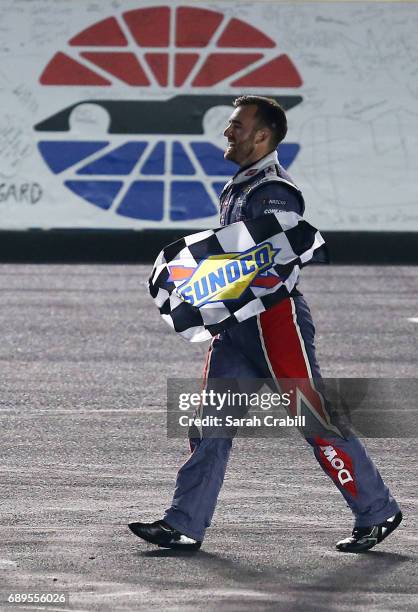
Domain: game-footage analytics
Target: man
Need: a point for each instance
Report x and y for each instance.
(278, 344)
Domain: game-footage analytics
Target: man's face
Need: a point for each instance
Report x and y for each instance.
(243, 134)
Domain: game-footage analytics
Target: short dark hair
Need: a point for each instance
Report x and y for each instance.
(270, 114)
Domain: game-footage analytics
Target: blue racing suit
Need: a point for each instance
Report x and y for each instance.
(277, 344)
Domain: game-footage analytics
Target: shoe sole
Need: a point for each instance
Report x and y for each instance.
(188, 547)
(358, 548)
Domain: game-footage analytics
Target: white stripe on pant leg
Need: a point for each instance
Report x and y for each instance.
(266, 357)
(263, 346)
(208, 359)
(302, 343)
(199, 409)
(327, 422)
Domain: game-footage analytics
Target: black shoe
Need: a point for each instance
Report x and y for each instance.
(163, 535)
(364, 538)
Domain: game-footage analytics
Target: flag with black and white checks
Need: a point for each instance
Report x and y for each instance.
(209, 281)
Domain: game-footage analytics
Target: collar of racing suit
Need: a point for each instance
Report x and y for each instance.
(245, 174)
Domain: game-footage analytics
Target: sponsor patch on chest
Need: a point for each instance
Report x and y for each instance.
(273, 206)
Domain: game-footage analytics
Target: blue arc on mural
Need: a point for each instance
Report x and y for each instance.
(190, 197)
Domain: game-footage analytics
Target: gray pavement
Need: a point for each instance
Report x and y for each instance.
(84, 360)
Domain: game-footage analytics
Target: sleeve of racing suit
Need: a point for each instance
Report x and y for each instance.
(272, 197)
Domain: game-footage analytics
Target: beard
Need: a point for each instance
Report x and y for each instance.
(239, 153)
(229, 153)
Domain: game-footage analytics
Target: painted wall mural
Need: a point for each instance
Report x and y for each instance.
(113, 112)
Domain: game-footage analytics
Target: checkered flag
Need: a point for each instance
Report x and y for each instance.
(209, 281)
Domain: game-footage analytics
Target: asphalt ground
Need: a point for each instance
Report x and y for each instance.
(84, 360)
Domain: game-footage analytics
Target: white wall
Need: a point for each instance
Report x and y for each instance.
(357, 126)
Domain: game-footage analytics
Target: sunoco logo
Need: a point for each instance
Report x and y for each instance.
(225, 277)
(155, 162)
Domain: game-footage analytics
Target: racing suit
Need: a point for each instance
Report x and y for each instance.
(277, 344)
